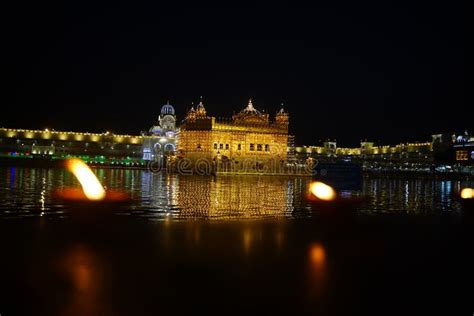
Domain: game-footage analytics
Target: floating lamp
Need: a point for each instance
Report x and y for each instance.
(467, 193)
(466, 198)
(91, 196)
(92, 188)
(322, 191)
(326, 200)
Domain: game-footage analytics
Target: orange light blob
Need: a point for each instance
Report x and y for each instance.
(467, 193)
(91, 186)
(322, 191)
(317, 254)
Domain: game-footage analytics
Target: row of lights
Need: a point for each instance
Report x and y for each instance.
(46, 130)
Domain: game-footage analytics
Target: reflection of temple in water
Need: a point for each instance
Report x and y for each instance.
(164, 196)
(158, 192)
(235, 196)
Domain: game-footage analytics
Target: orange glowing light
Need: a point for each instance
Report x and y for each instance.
(91, 186)
(467, 193)
(322, 191)
(317, 254)
(317, 276)
(247, 240)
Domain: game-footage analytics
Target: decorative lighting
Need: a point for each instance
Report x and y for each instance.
(467, 193)
(322, 191)
(317, 254)
(91, 186)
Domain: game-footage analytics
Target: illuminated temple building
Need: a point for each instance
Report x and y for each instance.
(160, 140)
(91, 147)
(249, 140)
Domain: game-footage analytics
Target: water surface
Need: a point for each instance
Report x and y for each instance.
(27, 192)
(231, 245)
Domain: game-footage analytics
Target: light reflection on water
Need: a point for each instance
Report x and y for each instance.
(410, 196)
(26, 192)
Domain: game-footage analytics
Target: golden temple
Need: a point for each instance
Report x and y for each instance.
(247, 141)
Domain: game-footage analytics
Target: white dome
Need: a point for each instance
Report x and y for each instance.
(167, 109)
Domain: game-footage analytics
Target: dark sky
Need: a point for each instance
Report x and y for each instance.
(388, 72)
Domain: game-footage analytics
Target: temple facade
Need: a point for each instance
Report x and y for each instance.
(247, 141)
(159, 143)
(62, 144)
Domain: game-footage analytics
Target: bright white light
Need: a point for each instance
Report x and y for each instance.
(91, 186)
(467, 193)
(322, 191)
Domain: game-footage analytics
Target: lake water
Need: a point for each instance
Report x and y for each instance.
(27, 192)
(408, 252)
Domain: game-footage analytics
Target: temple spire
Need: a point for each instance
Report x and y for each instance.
(250, 106)
(282, 109)
(200, 102)
(200, 109)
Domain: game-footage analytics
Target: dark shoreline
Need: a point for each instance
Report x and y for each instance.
(418, 175)
(58, 163)
(47, 162)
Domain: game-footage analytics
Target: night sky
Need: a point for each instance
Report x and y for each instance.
(388, 72)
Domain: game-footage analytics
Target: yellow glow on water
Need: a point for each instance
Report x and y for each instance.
(322, 191)
(247, 240)
(467, 193)
(91, 186)
(317, 254)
